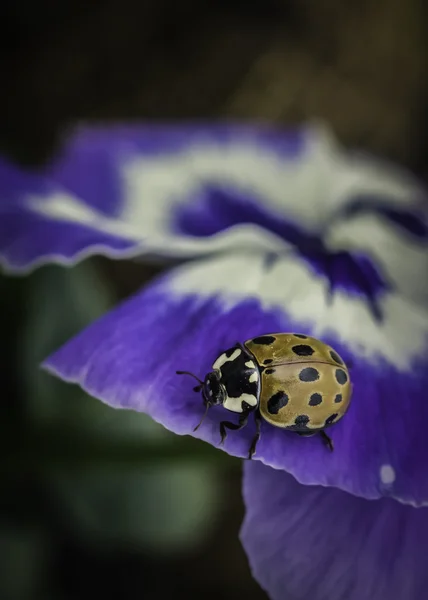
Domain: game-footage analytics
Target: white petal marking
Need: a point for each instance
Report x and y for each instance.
(64, 206)
(387, 474)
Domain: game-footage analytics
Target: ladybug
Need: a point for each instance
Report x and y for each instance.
(290, 380)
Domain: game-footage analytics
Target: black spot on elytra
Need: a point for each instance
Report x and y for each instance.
(303, 350)
(330, 419)
(264, 340)
(301, 420)
(301, 336)
(268, 361)
(336, 357)
(309, 374)
(315, 399)
(338, 398)
(269, 371)
(341, 376)
(276, 402)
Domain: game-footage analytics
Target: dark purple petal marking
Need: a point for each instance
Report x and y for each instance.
(413, 222)
(312, 542)
(354, 273)
(128, 359)
(219, 209)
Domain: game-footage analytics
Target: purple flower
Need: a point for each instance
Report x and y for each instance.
(286, 232)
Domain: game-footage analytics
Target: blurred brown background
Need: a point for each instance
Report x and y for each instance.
(362, 66)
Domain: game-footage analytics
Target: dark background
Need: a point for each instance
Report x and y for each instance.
(361, 66)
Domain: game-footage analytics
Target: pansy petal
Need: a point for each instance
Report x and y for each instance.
(183, 321)
(113, 191)
(74, 230)
(321, 543)
(185, 190)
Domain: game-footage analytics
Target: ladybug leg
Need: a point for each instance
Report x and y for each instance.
(242, 422)
(327, 440)
(258, 422)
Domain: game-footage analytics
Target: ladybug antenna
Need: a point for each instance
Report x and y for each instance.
(198, 387)
(203, 416)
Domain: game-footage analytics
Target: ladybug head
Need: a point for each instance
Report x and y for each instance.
(213, 392)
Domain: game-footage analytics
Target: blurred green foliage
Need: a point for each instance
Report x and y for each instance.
(116, 477)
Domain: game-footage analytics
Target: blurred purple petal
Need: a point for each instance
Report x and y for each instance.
(58, 241)
(111, 191)
(188, 190)
(321, 543)
(40, 222)
(128, 359)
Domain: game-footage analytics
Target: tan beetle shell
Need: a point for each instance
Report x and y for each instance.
(305, 385)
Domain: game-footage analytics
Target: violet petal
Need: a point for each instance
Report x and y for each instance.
(188, 190)
(183, 321)
(321, 543)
